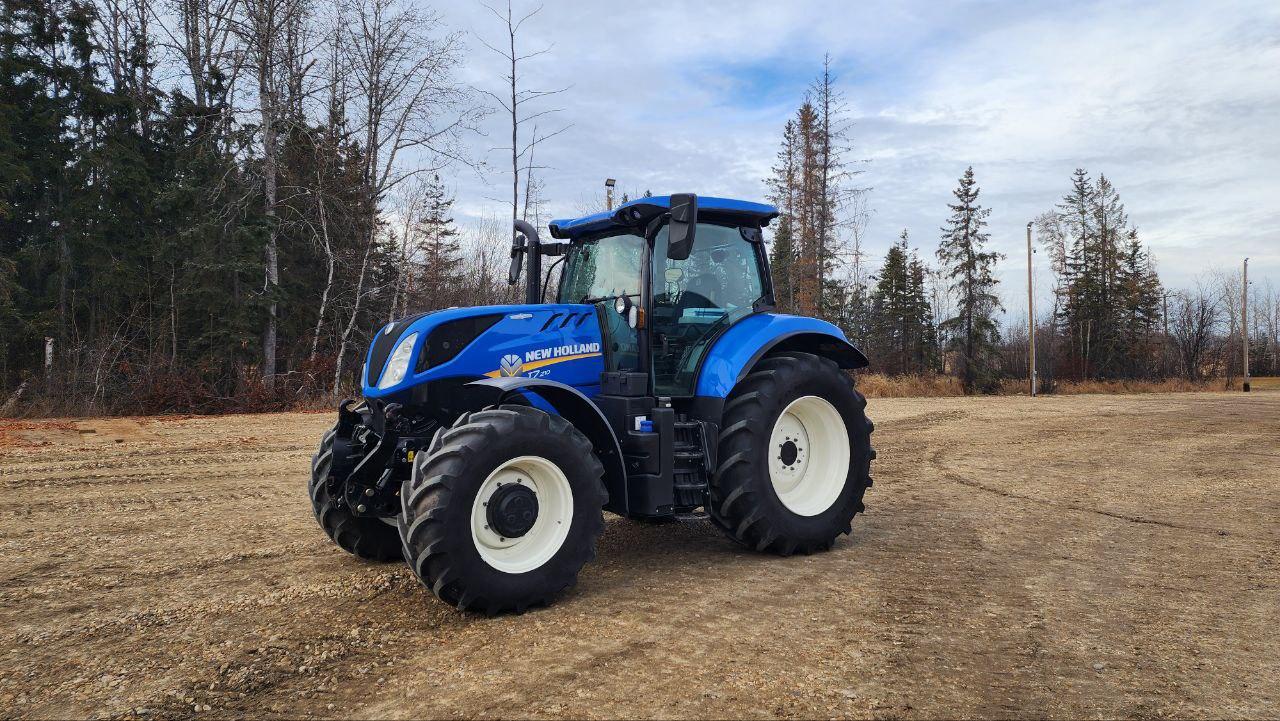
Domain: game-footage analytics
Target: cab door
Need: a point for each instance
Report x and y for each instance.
(696, 299)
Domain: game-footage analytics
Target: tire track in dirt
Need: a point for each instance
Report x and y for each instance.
(937, 461)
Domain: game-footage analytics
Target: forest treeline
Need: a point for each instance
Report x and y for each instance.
(211, 205)
(940, 311)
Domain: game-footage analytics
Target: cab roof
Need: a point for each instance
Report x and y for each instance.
(634, 212)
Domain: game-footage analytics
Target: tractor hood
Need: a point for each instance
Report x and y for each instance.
(555, 341)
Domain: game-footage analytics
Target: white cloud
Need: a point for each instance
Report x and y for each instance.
(1178, 103)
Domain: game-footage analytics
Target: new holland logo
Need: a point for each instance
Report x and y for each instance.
(511, 365)
(533, 361)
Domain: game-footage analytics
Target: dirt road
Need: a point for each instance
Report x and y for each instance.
(1102, 556)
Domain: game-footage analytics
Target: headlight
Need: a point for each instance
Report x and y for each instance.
(399, 363)
(620, 304)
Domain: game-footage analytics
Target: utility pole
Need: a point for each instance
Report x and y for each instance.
(1244, 323)
(608, 193)
(1031, 321)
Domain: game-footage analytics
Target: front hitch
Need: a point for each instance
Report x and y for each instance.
(372, 450)
(349, 443)
(368, 490)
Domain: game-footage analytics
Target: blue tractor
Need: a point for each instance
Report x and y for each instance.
(660, 384)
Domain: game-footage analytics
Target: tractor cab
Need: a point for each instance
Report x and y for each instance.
(659, 314)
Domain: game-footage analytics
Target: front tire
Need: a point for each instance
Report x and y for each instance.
(366, 538)
(795, 456)
(503, 510)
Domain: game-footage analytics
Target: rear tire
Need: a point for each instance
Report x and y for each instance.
(474, 560)
(772, 490)
(366, 538)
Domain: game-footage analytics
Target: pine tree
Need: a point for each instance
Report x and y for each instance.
(132, 219)
(1105, 278)
(890, 312)
(441, 254)
(782, 193)
(922, 348)
(972, 331)
(1079, 287)
(901, 321)
(1110, 226)
(808, 207)
(1141, 294)
(810, 186)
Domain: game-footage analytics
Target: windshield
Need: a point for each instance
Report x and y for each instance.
(603, 268)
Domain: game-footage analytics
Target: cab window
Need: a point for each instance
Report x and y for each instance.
(696, 298)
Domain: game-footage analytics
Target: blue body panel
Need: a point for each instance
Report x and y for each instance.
(733, 353)
(558, 342)
(574, 227)
(569, 349)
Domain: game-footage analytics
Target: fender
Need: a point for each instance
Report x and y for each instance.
(736, 351)
(576, 408)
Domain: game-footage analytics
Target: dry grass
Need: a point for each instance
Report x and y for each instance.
(878, 385)
(1169, 385)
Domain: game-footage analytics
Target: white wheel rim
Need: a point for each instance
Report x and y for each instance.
(808, 456)
(555, 514)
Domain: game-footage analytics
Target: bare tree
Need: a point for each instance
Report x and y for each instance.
(1054, 238)
(401, 65)
(121, 28)
(410, 211)
(517, 98)
(1229, 297)
(1195, 318)
(326, 150)
(268, 30)
(1265, 304)
(837, 201)
(205, 41)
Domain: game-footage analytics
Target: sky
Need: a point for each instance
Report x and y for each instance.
(1177, 103)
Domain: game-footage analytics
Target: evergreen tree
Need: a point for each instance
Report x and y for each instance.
(890, 314)
(782, 193)
(969, 266)
(1107, 291)
(808, 210)
(441, 254)
(901, 321)
(133, 218)
(923, 345)
(1079, 286)
(1141, 294)
(810, 185)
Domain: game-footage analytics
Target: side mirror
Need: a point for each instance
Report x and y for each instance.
(684, 223)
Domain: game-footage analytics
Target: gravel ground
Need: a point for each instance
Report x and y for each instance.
(1084, 556)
